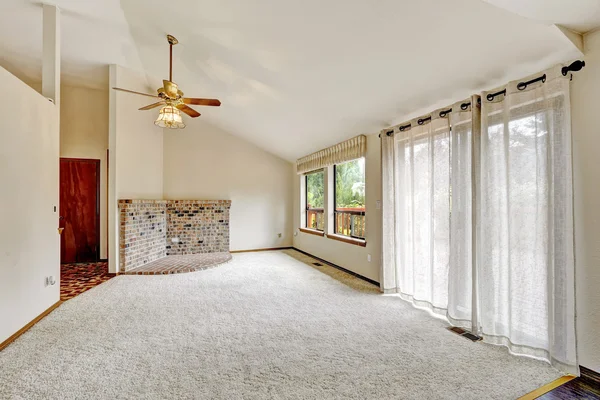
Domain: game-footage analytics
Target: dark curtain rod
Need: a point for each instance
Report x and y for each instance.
(463, 107)
(573, 67)
(421, 121)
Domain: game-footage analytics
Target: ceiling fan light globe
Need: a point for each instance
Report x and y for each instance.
(169, 117)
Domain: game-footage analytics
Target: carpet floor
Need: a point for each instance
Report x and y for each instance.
(264, 326)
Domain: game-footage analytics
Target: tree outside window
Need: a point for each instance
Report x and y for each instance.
(315, 200)
(350, 198)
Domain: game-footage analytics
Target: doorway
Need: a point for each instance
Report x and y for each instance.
(81, 268)
(79, 210)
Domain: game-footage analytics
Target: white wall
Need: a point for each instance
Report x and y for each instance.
(205, 163)
(139, 147)
(29, 241)
(349, 256)
(84, 134)
(136, 148)
(585, 103)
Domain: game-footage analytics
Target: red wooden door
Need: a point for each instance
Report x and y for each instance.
(79, 209)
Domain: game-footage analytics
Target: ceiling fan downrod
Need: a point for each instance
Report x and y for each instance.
(172, 41)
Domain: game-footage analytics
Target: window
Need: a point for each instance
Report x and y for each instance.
(315, 200)
(350, 198)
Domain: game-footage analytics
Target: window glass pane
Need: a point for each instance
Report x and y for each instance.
(315, 200)
(350, 198)
(314, 190)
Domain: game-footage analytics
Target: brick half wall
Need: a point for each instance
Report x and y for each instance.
(148, 227)
(200, 226)
(143, 232)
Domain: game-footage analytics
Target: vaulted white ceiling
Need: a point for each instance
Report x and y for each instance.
(296, 76)
(580, 15)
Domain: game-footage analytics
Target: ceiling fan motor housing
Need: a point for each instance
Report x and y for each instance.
(172, 39)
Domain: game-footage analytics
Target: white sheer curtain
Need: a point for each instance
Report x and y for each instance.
(525, 251)
(423, 213)
(478, 217)
(427, 235)
(462, 288)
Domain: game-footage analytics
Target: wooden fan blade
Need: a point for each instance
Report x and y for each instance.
(189, 111)
(131, 91)
(202, 102)
(148, 107)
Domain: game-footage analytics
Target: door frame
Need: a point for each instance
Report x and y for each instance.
(97, 162)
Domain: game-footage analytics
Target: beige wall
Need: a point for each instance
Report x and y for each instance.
(84, 134)
(200, 162)
(585, 103)
(349, 256)
(29, 241)
(136, 148)
(139, 143)
(203, 162)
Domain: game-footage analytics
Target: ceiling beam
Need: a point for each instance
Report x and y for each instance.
(51, 53)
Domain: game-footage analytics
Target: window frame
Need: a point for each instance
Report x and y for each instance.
(307, 209)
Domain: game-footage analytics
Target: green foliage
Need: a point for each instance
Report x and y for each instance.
(350, 184)
(315, 189)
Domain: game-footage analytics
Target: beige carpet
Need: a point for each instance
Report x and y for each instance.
(263, 326)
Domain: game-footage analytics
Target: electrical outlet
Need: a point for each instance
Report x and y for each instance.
(50, 281)
(368, 257)
(378, 204)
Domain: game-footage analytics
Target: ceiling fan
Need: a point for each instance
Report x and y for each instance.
(172, 100)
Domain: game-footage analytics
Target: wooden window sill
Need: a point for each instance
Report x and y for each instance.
(346, 239)
(312, 231)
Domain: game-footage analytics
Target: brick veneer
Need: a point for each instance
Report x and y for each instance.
(201, 226)
(147, 227)
(143, 232)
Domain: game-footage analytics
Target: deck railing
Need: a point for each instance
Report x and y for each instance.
(350, 222)
(315, 219)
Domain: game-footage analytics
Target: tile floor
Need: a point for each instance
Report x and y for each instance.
(77, 278)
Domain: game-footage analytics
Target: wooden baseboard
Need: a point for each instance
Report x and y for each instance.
(547, 388)
(29, 325)
(364, 278)
(255, 250)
